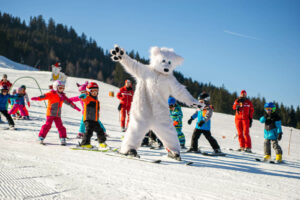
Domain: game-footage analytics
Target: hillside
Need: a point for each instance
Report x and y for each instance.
(29, 170)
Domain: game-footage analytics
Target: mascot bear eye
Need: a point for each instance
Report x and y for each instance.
(163, 61)
(169, 62)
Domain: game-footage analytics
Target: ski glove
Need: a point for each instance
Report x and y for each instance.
(117, 53)
(279, 136)
(119, 107)
(201, 123)
(28, 103)
(175, 123)
(190, 121)
(251, 120)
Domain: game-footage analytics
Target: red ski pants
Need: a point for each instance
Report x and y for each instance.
(242, 127)
(124, 111)
(47, 126)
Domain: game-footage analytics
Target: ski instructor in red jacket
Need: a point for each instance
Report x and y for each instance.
(243, 120)
(125, 96)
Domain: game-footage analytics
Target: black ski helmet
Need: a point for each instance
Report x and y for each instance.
(204, 96)
(3, 87)
(23, 87)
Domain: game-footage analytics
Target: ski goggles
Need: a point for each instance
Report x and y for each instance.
(61, 87)
(201, 101)
(269, 109)
(172, 106)
(94, 90)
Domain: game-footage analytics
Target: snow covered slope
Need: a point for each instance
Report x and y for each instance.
(9, 64)
(29, 170)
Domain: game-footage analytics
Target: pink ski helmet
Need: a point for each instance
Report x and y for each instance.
(82, 87)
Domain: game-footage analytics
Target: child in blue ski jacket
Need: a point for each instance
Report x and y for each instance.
(203, 115)
(4, 96)
(272, 132)
(176, 115)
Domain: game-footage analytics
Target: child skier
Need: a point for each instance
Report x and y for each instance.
(203, 124)
(91, 117)
(82, 90)
(272, 132)
(4, 96)
(56, 98)
(176, 115)
(19, 104)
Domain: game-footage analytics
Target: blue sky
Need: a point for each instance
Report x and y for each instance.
(252, 45)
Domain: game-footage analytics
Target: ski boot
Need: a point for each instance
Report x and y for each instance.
(173, 155)
(11, 127)
(193, 150)
(267, 158)
(41, 139)
(63, 141)
(241, 149)
(182, 146)
(217, 151)
(79, 136)
(248, 150)
(132, 153)
(86, 146)
(103, 146)
(123, 129)
(278, 158)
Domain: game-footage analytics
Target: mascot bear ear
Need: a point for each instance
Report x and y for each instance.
(178, 60)
(154, 51)
(77, 84)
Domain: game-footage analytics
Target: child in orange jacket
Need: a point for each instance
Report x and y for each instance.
(91, 117)
(56, 98)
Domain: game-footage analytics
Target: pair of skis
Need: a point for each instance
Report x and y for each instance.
(115, 152)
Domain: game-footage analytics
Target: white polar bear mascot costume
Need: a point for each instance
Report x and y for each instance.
(150, 111)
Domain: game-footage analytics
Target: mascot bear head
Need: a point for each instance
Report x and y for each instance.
(164, 60)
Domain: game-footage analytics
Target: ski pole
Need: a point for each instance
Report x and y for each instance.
(290, 141)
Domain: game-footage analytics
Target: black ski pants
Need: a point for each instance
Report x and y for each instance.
(8, 117)
(196, 135)
(90, 127)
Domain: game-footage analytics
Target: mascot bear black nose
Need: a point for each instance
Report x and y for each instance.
(166, 70)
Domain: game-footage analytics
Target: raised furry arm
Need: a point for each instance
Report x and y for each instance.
(133, 67)
(180, 93)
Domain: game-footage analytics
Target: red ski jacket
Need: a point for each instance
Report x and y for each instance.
(125, 96)
(244, 109)
(7, 84)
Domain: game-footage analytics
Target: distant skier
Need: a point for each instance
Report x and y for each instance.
(243, 120)
(272, 132)
(91, 117)
(125, 95)
(5, 82)
(176, 115)
(4, 96)
(19, 104)
(203, 115)
(82, 90)
(56, 98)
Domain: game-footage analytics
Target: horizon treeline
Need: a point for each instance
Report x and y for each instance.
(41, 44)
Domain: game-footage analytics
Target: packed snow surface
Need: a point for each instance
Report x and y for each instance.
(29, 170)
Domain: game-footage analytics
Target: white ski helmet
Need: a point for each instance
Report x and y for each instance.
(57, 83)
